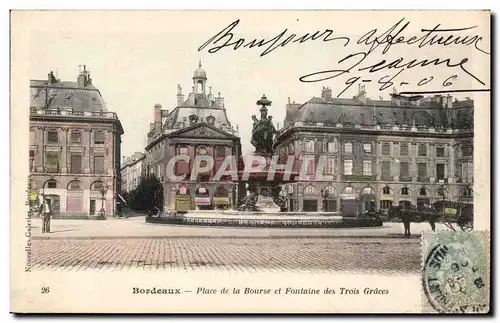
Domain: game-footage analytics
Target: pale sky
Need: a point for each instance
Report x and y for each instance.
(136, 59)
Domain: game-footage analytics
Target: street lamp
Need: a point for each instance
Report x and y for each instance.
(103, 192)
(325, 195)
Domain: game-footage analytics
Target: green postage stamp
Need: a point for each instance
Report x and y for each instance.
(455, 275)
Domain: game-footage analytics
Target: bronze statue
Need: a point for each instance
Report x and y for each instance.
(263, 132)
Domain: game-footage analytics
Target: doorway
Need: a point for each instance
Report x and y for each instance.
(92, 207)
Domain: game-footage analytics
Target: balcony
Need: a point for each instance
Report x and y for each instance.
(65, 112)
(359, 178)
(378, 127)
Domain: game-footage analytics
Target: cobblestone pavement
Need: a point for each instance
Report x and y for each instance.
(385, 256)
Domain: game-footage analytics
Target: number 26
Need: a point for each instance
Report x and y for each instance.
(45, 290)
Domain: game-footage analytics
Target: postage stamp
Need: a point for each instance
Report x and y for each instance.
(455, 271)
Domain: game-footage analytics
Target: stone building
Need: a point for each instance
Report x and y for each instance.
(132, 171)
(74, 147)
(198, 125)
(379, 153)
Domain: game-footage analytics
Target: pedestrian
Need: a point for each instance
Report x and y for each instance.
(405, 216)
(46, 216)
(432, 220)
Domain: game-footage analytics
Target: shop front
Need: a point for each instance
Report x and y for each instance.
(183, 200)
(348, 205)
(310, 200)
(221, 198)
(367, 198)
(202, 199)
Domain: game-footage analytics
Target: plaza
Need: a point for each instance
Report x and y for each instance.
(132, 244)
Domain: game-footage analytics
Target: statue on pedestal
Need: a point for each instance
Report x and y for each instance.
(263, 131)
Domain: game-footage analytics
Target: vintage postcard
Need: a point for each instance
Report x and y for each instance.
(250, 161)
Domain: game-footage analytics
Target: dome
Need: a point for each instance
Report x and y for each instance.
(199, 72)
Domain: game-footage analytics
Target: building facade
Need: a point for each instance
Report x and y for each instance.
(132, 171)
(198, 125)
(74, 147)
(378, 153)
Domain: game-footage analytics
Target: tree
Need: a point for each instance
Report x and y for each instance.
(147, 195)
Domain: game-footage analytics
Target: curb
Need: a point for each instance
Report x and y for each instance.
(390, 236)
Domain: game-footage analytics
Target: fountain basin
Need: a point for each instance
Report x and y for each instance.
(267, 220)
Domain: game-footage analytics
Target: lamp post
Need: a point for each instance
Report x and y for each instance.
(325, 195)
(102, 212)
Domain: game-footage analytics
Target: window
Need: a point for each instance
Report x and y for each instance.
(467, 192)
(331, 147)
(309, 190)
(384, 205)
(220, 151)
(439, 151)
(76, 137)
(422, 192)
(468, 172)
(330, 165)
(367, 191)
(367, 148)
(99, 164)
(311, 167)
(348, 190)
(99, 137)
(386, 171)
(97, 186)
(32, 160)
(347, 167)
(367, 167)
(310, 146)
(52, 162)
(348, 148)
(404, 172)
(386, 190)
(422, 150)
(403, 149)
(467, 150)
(74, 185)
(386, 149)
(76, 164)
(440, 171)
(405, 191)
(51, 184)
(422, 170)
(52, 137)
(183, 151)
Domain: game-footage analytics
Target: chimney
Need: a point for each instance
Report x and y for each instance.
(157, 120)
(361, 93)
(82, 78)
(326, 94)
(449, 101)
(219, 102)
(180, 96)
(288, 100)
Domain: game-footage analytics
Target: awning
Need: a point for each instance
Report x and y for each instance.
(202, 201)
(386, 198)
(222, 200)
(33, 196)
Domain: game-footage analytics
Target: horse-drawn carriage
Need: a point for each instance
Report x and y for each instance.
(451, 214)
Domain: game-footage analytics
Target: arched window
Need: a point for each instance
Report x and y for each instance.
(51, 184)
(367, 191)
(386, 190)
(331, 190)
(96, 186)
(348, 190)
(405, 191)
(422, 192)
(74, 185)
(309, 190)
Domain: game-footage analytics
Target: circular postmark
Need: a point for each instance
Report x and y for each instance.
(454, 274)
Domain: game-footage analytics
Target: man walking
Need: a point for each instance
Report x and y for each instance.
(405, 216)
(46, 209)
